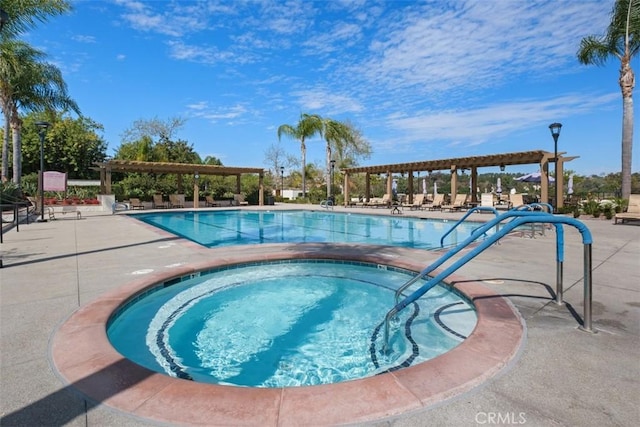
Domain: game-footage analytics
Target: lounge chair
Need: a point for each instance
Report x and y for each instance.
(176, 200)
(486, 200)
(209, 202)
(378, 202)
(158, 202)
(135, 203)
(418, 201)
(459, 203)
(436, 203)
(238, 200)
(633, 210)
(516, 200)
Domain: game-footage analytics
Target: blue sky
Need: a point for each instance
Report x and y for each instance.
(423, 80)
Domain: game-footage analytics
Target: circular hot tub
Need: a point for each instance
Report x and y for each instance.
(86, 360)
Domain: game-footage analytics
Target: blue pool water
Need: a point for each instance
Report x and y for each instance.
(243, 227)
(287, 323)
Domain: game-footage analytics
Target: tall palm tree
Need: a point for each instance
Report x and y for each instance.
(308, 126)
(20, 17)
(24, 15)
(621, 40)
(337, 135)
(31, 85)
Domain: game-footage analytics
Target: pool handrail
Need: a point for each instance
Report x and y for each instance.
(475, 234)
(466, 215)
(522, 217)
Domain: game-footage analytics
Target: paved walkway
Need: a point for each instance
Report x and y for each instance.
(563, 376)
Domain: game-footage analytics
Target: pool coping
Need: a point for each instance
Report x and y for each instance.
(84, 358)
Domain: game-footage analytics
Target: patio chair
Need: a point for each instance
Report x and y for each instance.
(486, 200)
(418, 201)
(238, 200)
(633, 210)
(135, 203)
(516, 200)
(436, 203)
(459, 203)
(158, 202)
(176, 200)
(209, 201)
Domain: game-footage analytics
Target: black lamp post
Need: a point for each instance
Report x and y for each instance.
(282, 182)
(333, 165)
(4, 17)
(42, 126)
(555, 132)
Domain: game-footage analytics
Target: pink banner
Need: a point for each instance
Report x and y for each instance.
(55, 181)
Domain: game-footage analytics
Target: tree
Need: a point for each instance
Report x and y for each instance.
(308, 126)
(72, 145)
(621, 40)
(21, 16)
(24, 15)
(347, 142)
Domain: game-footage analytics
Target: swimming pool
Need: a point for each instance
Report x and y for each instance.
(286, 324)
(244, 227)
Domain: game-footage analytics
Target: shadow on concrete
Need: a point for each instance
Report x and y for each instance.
(74, 254)
(64, 405)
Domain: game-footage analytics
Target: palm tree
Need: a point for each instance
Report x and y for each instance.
(20, 17)
(337, 135)
(308, 126)
(621, 40)
(24, 15)
(28, 85)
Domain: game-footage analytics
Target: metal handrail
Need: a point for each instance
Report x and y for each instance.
(522, 217)
(461, 220)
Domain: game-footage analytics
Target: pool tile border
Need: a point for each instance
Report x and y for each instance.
(84, 358)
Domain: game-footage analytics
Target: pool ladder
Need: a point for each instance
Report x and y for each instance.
(517, 218)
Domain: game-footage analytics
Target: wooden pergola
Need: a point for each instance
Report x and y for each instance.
(179, 169)
(539, 157)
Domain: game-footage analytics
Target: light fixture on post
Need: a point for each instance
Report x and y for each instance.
(4, 18)
(282, 182)
(555, 133)
(333, 165)
(42, 126)
(502, 168)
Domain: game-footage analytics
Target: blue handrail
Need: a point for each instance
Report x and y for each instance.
(522, 217)
(461, 220)
(475, 234)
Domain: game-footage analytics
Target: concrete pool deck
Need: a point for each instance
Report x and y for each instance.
(562, 376)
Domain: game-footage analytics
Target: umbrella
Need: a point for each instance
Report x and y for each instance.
(394, 188)
(435, 188)
(533, 177)
(570, 186)
(424, 185)
(499, 186)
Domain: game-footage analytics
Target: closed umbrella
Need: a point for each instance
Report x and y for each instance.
(394, 189)
(424, 185)
(435, 188)
(570, 186)
(499, 186)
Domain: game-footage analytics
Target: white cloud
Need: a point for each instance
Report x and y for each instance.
(478, 125)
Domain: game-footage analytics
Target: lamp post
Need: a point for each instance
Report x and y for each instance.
(555, 133)
(4, 17)
(42, 126)
(282, 182)
(333, 165)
